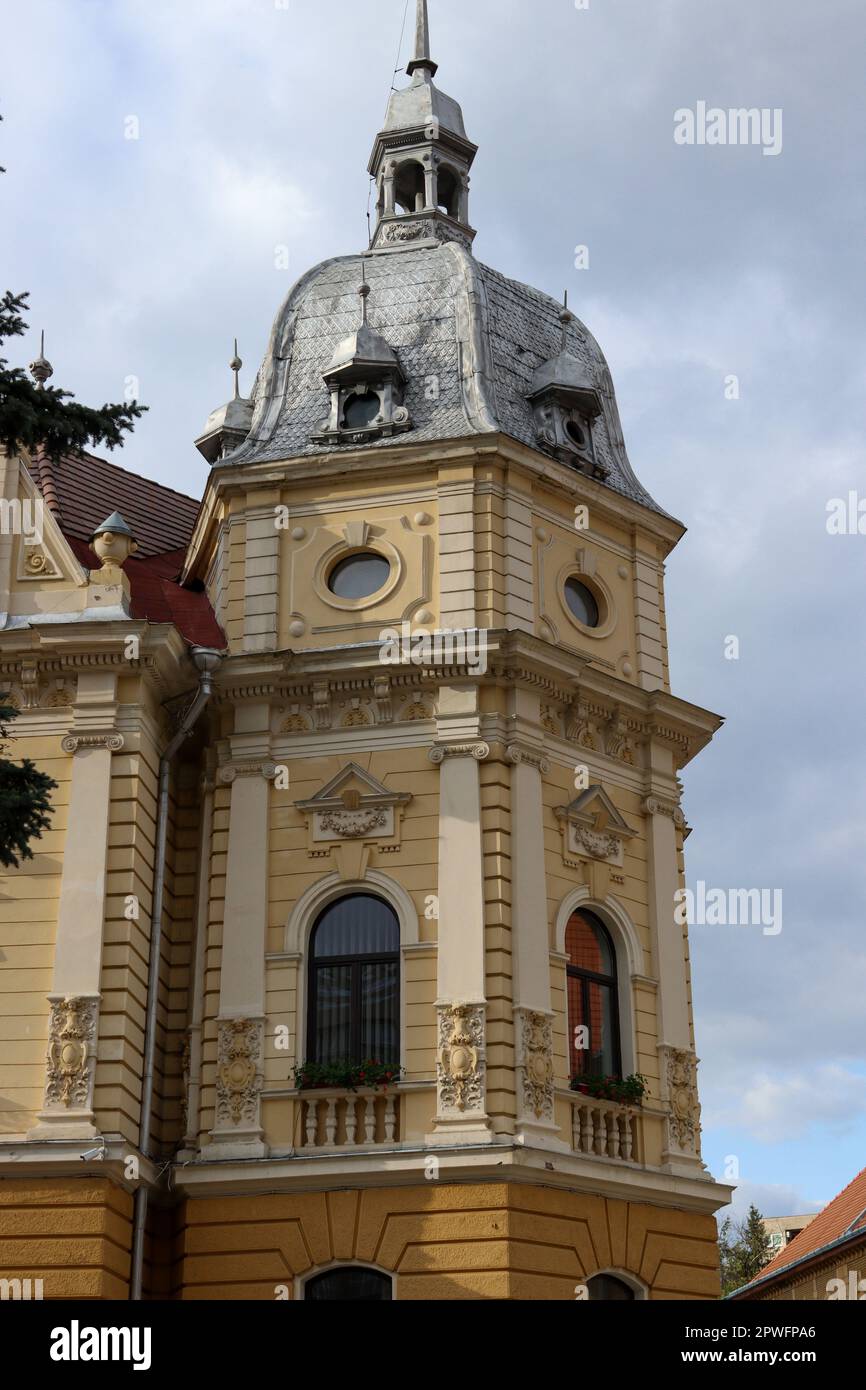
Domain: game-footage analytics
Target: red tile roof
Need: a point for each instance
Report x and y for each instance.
(82, 492)
(844, 1215)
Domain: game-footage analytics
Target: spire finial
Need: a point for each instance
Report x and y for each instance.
(422, 62)
(235, 365)
(364, 292)
(41, 369)
(565, 318)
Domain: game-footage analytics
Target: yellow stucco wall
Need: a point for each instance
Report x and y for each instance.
(446, 1242)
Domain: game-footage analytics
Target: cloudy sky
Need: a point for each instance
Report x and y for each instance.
(255, 118)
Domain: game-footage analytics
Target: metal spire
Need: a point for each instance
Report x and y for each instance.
(235, 366)
(364, 292)
(422, 62)
(565, 318)
(41, 369)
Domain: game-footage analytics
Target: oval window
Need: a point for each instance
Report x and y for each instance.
(362, 411)
(575, 434)
(582, 603)
(359, 576)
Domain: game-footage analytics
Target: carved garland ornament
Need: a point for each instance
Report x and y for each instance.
(354, 825)
(239, 1078)
(684, 1121)
(71, 1035)
(460, 1062)
(536, 1038)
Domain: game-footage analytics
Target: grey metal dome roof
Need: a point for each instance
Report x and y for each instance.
(445, 315)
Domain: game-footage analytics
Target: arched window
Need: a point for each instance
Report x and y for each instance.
(605, 1288)
(592, 998)
(410, 187)
(354, 1009)
(361, 1285)
(448, 192)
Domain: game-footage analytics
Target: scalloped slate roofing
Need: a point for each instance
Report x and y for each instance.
(481, 335)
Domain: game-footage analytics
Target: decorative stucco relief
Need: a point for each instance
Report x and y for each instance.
(461, 1059)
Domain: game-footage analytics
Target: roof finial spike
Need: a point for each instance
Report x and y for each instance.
(565, 318)
(364, 292)
(235, 366)
(422, 62)
(41, 369)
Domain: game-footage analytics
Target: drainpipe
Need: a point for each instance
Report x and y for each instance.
(206, 660)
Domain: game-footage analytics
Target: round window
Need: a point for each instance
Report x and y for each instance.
(362, 411)
(582, 603)
(575, 434)
(359, 576)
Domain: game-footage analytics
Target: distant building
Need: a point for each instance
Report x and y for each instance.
(783, 1229)
(823, 1261)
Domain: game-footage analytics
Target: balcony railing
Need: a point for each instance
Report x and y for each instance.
(605, 1129)
(337, 1119)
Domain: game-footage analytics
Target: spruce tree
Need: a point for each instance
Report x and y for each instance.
(49, 419)
(745, 1249)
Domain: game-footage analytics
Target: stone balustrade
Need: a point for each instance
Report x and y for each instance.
(339, 1119)
(605, 1129)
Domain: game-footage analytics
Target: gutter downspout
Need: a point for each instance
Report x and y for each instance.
(207, 661)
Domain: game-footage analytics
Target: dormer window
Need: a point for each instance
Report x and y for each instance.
(363, 408)
(366, 383)
(565, 403)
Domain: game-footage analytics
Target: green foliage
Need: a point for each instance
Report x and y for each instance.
(745, 1249)
(346, 1076)
(24, 800)
(46, 417)
(628, 1090)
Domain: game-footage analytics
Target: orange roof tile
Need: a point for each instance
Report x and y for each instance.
(845, 1214)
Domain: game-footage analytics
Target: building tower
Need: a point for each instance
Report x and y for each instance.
(390, 793)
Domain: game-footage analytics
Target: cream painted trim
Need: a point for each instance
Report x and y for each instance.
(629, 959)
(610, 908)
(343, 551)
(302, 919)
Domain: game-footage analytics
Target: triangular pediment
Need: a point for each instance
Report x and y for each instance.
(594, 809)
(353, 785)
(44, 557)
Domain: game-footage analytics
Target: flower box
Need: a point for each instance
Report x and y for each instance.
(369, 1075)
(629, 1090)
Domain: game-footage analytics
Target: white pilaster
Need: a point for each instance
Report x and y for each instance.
(73, 1023)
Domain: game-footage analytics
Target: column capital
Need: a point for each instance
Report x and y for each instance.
(231, 771)
(517, 753)
(478, 750)
(656, 806)
(113, 741)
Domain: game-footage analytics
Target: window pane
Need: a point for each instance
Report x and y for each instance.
(361, 1285)
(587, 945)
(582, 603)
(359, 576)
(602, 1060)
(333, 1013)
(380, 1032)
(357, 926)
(606, 1287)
(579, 1057)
